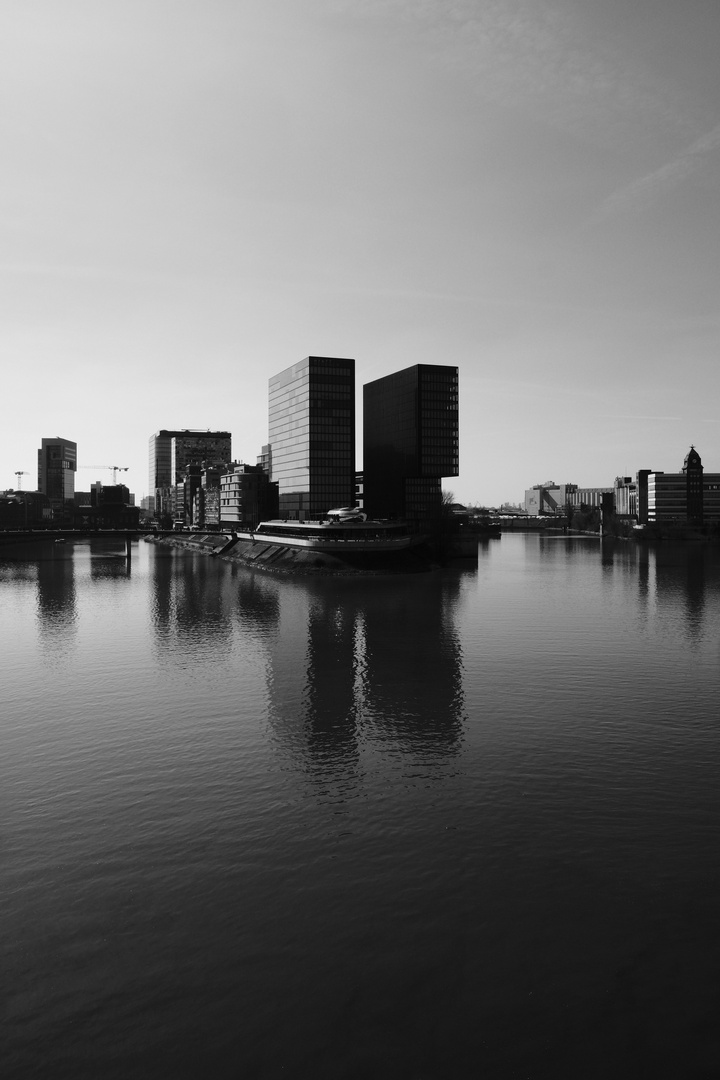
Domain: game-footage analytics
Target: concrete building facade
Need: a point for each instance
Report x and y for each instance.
(551, 498)
(548, 498)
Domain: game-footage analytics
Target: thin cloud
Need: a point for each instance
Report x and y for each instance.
(536, 57)
(633, 416)
(648, 188)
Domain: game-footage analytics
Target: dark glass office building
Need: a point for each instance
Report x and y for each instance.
(57, 465)
(312, 436)
(411, 437)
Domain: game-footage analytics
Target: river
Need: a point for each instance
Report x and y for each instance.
(449, 825)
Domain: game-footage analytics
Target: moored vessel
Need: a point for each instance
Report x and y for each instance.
(334, 534)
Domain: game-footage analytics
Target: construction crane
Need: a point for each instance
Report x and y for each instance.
(19, 473)
(115, 469)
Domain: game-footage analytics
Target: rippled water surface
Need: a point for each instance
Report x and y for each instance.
(449, 825)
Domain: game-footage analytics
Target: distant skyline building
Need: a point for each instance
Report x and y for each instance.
(311, 449)
(172, 450)
(57, 465)
(411, 441)
(548, 498)
(690, 497)
(551, 498)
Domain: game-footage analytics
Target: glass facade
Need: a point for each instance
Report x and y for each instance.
(312, 436)
(411, 441)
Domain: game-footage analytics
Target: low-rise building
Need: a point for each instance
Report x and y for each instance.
(247, 497)
(110, 507)
(25, 510)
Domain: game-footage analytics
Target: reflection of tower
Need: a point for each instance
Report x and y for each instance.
(311, 677)
(108, 564)
(162, 600)
(681, 584)
(56, 600)
(642, 555)
(348, 661)
(189, 605)
(332, 706)
(413, 687)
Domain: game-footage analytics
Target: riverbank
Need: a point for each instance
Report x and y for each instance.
(283, 559)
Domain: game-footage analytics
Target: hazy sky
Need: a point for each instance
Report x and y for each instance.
(199, 193)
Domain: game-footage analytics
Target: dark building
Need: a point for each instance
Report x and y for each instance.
(642, 495)
(170, 452)
(24, 510)
(312, 436)
(110, 508)
(693, 470)
(411, 441)
(57, 465)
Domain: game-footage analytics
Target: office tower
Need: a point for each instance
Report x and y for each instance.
(57, 465)
(410, 435)
(169, 454)
(312, 436)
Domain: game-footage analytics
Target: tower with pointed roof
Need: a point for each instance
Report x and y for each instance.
(693, 471)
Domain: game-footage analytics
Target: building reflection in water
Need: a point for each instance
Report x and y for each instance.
(108, 563)
(190, 611)
(686, 576)
(56, 601)
(356, 666)
(413, 682)
(674, 582)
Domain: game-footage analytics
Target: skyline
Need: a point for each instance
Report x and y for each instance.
(198, 196)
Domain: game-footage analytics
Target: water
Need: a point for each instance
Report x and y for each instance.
(450, 825)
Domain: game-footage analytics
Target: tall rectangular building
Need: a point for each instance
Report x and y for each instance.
(411, 441)
(171, 451)
(57, 465)
(312, 436)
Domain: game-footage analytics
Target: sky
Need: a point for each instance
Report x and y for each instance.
(197, 194)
